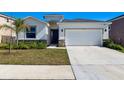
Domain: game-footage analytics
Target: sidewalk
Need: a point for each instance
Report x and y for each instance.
(36, 72)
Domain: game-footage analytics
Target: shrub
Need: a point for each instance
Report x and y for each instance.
(7, 46)
(107, 42)
(14, 46)
(31, 45)
(41, 45)
(22, 45)
(115, 46)
(26, 45)
(4, 46)
(110, 44)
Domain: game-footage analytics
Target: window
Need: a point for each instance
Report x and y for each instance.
(30, 35)
(33, 29)
(7, 20)
(31, 32)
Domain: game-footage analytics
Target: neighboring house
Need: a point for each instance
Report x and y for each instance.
(117, 30)
(5, 34)
(57, 30)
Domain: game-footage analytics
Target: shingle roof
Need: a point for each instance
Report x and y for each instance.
(6, 16)
(115, 18)
(81, 20)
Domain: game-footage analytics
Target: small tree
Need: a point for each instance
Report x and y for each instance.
(18, 26)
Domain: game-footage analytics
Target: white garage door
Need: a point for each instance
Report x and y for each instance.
(83, 37)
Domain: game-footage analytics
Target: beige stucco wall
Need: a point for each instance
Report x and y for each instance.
(4, 31)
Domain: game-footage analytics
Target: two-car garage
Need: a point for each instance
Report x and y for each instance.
(85, 37)
(83, 33)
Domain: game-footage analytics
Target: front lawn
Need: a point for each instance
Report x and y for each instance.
(35, 57)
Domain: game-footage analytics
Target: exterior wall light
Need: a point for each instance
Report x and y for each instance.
(105, 30)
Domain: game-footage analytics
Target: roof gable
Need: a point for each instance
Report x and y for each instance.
(35, 19)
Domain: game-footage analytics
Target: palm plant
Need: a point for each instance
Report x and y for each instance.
(18, 26)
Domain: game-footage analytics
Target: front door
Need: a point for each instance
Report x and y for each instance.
(54, 36)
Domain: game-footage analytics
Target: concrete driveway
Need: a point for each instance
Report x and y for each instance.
(94, 63)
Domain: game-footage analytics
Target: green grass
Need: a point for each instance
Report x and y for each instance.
(35, 57)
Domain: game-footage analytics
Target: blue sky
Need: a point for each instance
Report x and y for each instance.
(68, 15)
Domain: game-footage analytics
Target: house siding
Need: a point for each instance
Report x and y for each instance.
(83, 26)
(41, 30)
(117, 31)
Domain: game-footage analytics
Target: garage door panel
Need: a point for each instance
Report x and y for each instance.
(83, 36)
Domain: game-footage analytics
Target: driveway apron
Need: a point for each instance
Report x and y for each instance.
(94, 63)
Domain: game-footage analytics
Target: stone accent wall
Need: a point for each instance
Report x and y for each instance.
(61, 43)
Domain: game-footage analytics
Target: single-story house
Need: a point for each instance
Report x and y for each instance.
(117, 30)
(57, 30)
(5, 34)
